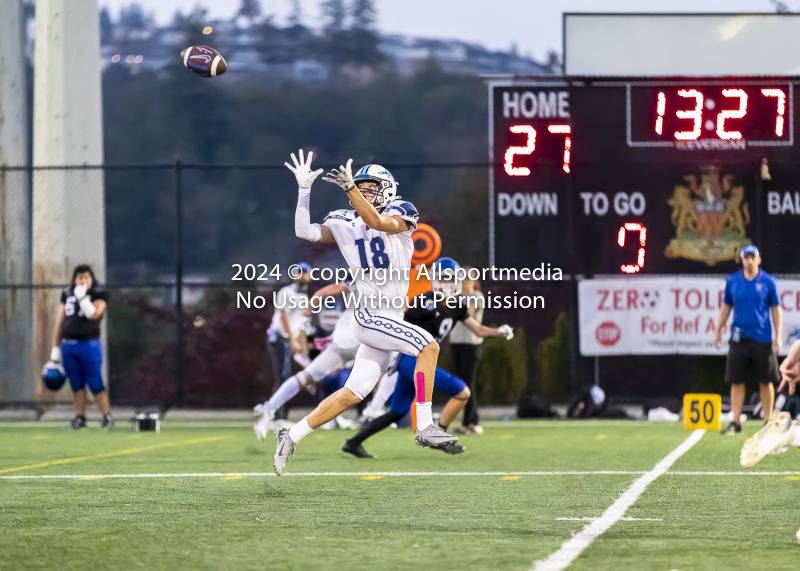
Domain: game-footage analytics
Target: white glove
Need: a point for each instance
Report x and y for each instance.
(302, 171)
(87, 307)
(80, 291)
(343, 176)
(505, 331)
(55, 354)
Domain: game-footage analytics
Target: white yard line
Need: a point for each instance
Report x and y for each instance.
(249, 423)
(679, 473)
(395, 475)
(122, 422)
(571, 423)
(573, 547)
(269, 474)
(620, 519)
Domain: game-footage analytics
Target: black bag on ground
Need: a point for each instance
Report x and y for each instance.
(531, 406)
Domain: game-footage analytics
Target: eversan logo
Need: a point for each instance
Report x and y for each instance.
(711, 145)
(530, 204)
(202, 57)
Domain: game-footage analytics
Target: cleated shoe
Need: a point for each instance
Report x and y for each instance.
(732, 429)
(284, 452)
(356, 450)
(776, 434)
(263, 424)
(78, 422)
(450, 448)
(108, 422)
(433, 436)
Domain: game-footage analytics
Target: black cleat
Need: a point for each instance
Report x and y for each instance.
(449, 448)
(108, 422)
(78, 422)
(732, 429)
(356, 450)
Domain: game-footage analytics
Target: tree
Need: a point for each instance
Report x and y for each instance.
(334, 13)
(106, 26)
(363, 13)
(133, 18)
(296, 15)
(553, 64)
(553, 359)
(250, 9)
(29, 9)
(780, 7)
(192, 25)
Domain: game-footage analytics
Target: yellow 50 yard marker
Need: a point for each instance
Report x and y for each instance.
(702, 411)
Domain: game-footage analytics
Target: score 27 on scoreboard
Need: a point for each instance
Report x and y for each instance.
(618, 176)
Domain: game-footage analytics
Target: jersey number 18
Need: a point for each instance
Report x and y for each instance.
(380, 259)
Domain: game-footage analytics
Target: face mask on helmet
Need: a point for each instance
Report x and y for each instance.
(444, 277)
(386, 190)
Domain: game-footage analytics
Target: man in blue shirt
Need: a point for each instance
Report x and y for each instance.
(753, 295)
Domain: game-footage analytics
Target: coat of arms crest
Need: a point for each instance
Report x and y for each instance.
(710, 216)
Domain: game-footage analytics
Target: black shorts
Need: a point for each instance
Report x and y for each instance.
(749, 359)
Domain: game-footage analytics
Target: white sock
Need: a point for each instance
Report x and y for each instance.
(285, 392)
(385, 390)
(424, 418)
(300, 431)
(796, 436)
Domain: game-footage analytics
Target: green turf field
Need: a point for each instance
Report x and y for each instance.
(202, 497)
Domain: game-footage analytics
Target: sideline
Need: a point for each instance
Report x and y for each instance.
(270, 474)
(388, 474)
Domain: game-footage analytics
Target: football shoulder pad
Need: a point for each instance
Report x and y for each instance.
(403, 209)
(342, 215)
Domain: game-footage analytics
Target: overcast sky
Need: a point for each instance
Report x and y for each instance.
(534, 26)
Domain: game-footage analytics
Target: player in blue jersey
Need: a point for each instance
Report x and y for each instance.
(752, 295)
(436, 312)
(77, 346)
(375, 241)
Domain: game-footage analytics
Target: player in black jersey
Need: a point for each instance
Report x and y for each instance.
(436, 312)
(76, 343)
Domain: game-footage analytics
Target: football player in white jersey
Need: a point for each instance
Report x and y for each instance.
(340, 350)
(375, 236)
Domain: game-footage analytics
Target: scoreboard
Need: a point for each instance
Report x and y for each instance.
(643, 176)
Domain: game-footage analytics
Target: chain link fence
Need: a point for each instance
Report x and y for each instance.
(174, 235)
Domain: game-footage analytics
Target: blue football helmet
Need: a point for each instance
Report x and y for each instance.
(387, 190)
(446, 268)
(53, 375)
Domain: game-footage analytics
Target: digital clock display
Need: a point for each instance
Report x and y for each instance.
(669, 114)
